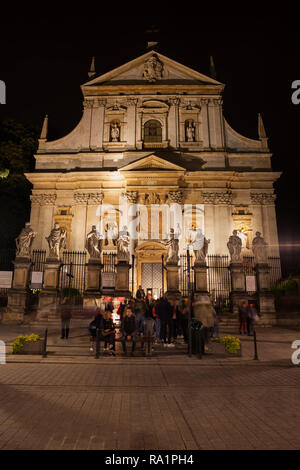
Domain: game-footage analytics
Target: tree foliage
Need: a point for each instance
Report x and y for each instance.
(18, 143)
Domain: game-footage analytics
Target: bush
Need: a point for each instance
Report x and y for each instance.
(232, 344)
(288, 287)
(18, 343)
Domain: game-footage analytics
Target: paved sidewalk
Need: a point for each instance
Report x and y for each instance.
(167, 402)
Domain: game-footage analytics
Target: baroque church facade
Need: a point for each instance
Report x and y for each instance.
(153, 133)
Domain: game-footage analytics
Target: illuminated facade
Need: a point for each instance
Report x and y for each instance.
(153, 133)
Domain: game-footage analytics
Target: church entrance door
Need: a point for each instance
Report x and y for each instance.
(152, 278)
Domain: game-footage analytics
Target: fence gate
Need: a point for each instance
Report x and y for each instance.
(218, 278)
(73, 270)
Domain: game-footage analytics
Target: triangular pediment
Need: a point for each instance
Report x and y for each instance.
(151, 163)
(168, 71)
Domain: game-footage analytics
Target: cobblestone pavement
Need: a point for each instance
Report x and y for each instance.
(72, 401)
(149, 406)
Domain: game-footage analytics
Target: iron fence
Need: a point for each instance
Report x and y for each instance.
(73, 270)
(218, 278)
(109, 262)
(183, 275)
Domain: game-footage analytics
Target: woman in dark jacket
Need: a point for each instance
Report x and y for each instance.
(243, 314)
(128, 328)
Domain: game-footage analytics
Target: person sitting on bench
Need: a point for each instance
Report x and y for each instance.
(108, 332)
(128, 328)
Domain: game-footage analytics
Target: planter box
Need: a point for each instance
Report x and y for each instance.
(219, 348)
(32, 348)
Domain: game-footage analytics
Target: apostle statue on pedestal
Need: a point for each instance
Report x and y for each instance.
(259, 248)
(56, 241)
(93, 244)
(235, 247)
(173, 248)
(24, 241)
(200, 247)
(123, 245)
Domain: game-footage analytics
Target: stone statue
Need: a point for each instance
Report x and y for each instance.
(115, 133)
(111, 233)
(56, 241)
(190, 133)
(153, 69)
(235, 247)
(24, 241)
(200, 247)
(123, 245)
(93, 244)
(173, 248)
(259, 248)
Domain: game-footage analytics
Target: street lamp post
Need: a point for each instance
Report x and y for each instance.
(189, 303)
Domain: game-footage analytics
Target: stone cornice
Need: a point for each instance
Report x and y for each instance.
(43, 199)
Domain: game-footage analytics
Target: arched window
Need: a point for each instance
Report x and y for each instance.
(152, 131)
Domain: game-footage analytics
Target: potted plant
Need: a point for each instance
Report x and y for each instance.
(27, 344)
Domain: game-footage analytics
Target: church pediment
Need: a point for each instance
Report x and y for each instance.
(152, 162)
(151, 68)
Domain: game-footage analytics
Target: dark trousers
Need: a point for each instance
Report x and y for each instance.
(133, 339)
(65, 328)
(166, 330)
(184, 326)
(174, 324)
(109, 339)
(243, 324)
(249, 325)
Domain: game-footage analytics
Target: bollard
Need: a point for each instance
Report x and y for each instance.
(97, 350)
(45, 343)
(149, 344)
(255, 346)
(199, 344)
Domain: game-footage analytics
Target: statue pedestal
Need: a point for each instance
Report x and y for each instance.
(48, 295)
(93, 282)
(238, 285)
(201, 295)
(200, 278)
(265, 296)
(122, 279)
(18, 294)
(172, 281)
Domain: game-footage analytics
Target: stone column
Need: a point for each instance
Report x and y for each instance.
(47, 203)
(34, 220)
(131, 123)
(93, 281)
(97, 124)
(18, 294)
(238, 285)
(173, 122)
(205, 125)
(79, 221)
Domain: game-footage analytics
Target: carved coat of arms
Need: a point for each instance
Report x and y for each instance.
(153, 69)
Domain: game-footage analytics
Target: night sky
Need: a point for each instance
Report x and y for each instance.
(44, 61)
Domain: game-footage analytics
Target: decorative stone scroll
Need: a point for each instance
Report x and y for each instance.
(95, 198)
(131, 196)
(213, 197)
(43, 199)
(175, 197)
(262, 198)
(88, 198)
